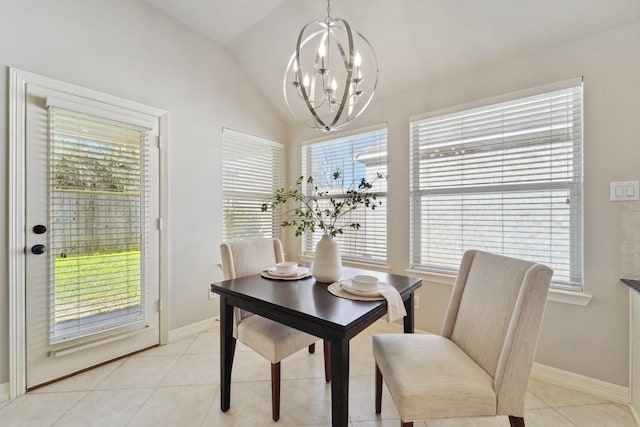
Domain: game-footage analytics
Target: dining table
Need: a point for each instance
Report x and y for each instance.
(307, 305)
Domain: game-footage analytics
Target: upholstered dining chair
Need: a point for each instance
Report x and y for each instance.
(480, 365)
(271, 339)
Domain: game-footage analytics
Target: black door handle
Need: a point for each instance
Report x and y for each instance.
(38, 249)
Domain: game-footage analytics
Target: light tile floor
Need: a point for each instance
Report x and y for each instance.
(179, 385)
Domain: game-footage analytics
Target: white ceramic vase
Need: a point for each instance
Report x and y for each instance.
(327, 265)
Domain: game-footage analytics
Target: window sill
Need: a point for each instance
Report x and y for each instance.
(555, 295)
(353, 264)
(569, 297)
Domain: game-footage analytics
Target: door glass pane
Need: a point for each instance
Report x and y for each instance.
(98, 193)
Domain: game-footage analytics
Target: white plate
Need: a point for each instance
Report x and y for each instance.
(302, 273)
(346, 285)
(299, 272)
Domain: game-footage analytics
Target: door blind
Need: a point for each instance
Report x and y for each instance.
(361, 155)
(98, 202)
(505, 178)
(252, 169)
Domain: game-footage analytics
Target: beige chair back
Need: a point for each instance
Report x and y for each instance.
(502, 339)
(246, 257)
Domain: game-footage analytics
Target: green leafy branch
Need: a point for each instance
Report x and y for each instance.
(309, 215)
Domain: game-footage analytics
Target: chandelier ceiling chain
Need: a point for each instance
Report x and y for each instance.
(333, 71)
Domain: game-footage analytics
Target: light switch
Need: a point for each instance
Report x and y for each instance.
(624, 191)
(630, 191)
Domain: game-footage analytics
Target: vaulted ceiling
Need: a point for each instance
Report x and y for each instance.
(416, 41)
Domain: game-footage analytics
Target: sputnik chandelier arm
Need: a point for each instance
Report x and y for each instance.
(332, 75)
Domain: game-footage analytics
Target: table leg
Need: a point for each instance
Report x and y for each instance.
(339, 382)
(227, 350)
(409, 318)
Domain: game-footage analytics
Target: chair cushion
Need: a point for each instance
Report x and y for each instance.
(272, 340)
(429, 376)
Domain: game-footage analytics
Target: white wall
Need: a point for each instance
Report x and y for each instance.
(128, 49)
(592, 340)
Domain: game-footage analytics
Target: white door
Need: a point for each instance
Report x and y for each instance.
(92, 238)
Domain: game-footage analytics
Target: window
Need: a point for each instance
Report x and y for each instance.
(505, 178)
(98, 199)
(357, 156)
(251, 171)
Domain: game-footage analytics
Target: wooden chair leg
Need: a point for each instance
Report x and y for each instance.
(516, 421)
(378, 390)
(312, 348)
(327, 361)
(275, 391)
(408, 424)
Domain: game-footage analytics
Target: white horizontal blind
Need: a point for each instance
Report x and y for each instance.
(358, 156)
(505, 178)
(252, 169)
(98, 201)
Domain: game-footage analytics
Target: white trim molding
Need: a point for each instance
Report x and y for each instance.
(555, 295)
(163, 145)
(16, 261)
(193, 328)
(353, 264)
(433, 277)
(612, 392)
(569, 297)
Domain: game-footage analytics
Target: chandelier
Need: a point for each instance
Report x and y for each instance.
(332, 75)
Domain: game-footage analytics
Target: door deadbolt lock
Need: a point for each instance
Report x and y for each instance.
(39, 229)
(38, 249)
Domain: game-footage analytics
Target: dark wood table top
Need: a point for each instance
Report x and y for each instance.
(310, 300)
(633, 284)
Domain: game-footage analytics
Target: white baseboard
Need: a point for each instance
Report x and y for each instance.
(192, 329)
(4, 392)
(613, 392)
(636, 418)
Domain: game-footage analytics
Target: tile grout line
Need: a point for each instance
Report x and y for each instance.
(159, 385)
(140, 407)
(86, 393)
(211, 405)
(563, 416)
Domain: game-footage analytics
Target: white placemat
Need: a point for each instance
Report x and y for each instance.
(395, 305)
